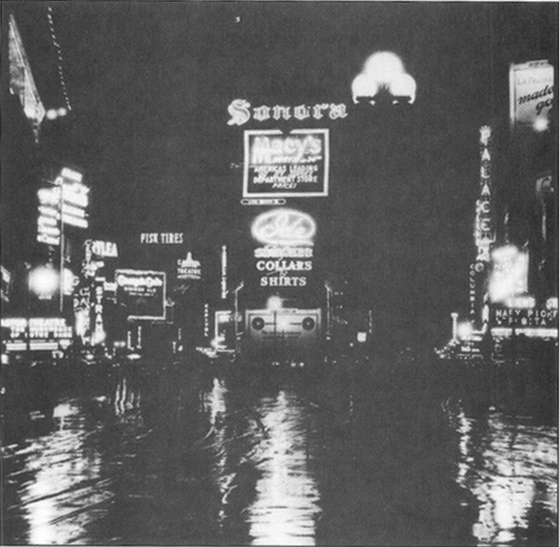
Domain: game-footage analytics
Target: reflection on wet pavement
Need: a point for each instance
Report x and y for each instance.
(511, 469)
(58, 475)
(177, 455)
(285, 508)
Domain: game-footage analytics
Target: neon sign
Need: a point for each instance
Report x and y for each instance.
(142, 293)
(241, 111)
(164, 238)
(188, 268)
(531, 94)
(284, 227)
(142, 281)
(104, 249)
(292, 165)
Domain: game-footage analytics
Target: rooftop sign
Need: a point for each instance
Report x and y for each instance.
(241, 111)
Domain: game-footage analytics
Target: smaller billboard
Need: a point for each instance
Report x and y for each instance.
(509, 273)
(103, 249)
(142, 293)
(188, 268)
(525, 318)
(531, 93)
(278, 165)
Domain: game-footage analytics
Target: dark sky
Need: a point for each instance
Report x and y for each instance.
(150, 82)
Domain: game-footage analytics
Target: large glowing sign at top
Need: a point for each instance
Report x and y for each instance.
(531, 94)
(284, 227)
(286, 165)
(241, 111)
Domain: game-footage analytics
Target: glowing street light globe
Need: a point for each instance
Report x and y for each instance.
(274, 303)
(44, 281)
(363, 86)
(383, 75)
(403, 86)
(465, 330)
(384, 66)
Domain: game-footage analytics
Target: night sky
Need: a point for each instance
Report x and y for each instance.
(150, 82)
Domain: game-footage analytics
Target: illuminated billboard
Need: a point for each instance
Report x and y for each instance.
(509, 274)
(142, 293)
(283, 266)
(285, 257)
(188, 268)
(525, 317)
(531, 94)
(295, 164)
(284, 227)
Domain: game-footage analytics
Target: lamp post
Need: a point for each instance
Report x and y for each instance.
(236, 291)
(274, 304)
(328, 310)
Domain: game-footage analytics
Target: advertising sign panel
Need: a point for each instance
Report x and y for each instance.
(188, 268)
(142, 293)
(283, 266)
(525, 317)
(531, 93)
(281, 165)
(509, 274)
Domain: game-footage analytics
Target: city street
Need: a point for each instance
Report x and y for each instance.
(279, 273)
(382, 451)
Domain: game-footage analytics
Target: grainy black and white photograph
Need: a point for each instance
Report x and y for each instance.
(279, 273)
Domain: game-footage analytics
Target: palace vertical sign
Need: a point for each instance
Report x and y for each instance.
(484, 233)
(286, 165)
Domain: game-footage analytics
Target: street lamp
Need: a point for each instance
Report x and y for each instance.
(44, 281)
(384, 79)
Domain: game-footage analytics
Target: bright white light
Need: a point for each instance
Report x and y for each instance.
(274, 303)
(82, 322)
(541, 124)
(49, 230)
(363, 85)
(509, 276)
(465, 330)
(384, 66)
(68, 281)
(62, 111)
(75, 211)
(49, 196)
(47, 221)
(44, 281)
(361, 337)
(403, 86)
(283, 323)
(74, 221)
(51, 114)
(522, 302)
(284, 227)
(98, 336)
(70, 174)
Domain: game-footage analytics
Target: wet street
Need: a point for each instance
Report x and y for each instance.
(401, 451)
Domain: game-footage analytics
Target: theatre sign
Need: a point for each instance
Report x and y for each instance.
(280, 165)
